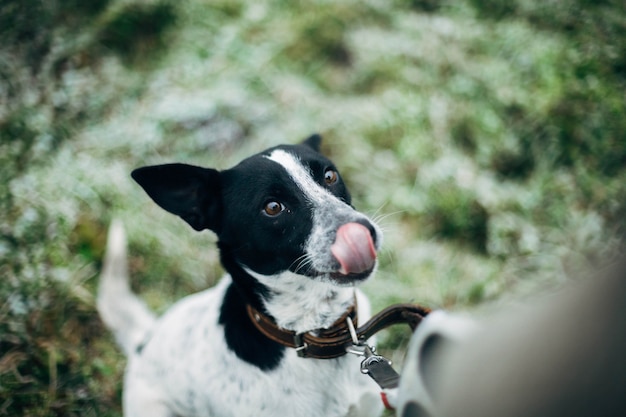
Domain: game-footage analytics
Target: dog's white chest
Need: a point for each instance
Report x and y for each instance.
(189, 366)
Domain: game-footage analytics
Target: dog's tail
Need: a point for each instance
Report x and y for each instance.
(121, 310)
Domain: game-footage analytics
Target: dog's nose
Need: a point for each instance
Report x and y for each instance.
(369, 226)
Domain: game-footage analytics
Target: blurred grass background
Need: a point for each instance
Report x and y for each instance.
(487, 136)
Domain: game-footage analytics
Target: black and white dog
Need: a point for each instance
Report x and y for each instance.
(294, 248)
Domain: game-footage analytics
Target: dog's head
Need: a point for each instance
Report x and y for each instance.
(284, 209)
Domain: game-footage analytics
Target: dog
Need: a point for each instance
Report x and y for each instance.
(293, 248)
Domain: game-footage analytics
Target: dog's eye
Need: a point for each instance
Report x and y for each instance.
(273, 208)
(330, 176)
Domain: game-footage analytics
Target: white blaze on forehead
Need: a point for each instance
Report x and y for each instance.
(301, 176)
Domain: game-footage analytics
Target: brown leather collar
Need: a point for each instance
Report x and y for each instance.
(332, 342)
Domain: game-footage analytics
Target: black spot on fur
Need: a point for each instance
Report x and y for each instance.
(243, 338)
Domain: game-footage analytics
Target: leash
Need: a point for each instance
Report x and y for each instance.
(343, 338)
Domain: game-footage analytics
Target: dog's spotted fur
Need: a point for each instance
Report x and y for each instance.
(204, 357)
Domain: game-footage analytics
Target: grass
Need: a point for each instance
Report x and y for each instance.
(487, 137)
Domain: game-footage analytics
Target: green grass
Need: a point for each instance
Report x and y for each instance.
(487, 137)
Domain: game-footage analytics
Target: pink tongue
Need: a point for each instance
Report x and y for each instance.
(354, 249)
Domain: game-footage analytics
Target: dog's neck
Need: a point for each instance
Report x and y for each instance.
(294, 301)
(303, 304)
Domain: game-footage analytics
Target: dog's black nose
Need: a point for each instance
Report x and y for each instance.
(370, 227)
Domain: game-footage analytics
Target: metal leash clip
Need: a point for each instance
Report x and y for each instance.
(376, 366)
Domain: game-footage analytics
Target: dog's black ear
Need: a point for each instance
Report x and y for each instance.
(188, 191)
(314, 142)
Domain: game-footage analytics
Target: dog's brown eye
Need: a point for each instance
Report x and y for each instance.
(330, 177)
(273, 208)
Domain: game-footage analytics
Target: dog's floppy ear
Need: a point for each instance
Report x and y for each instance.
(188, 191)
(314, 142)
